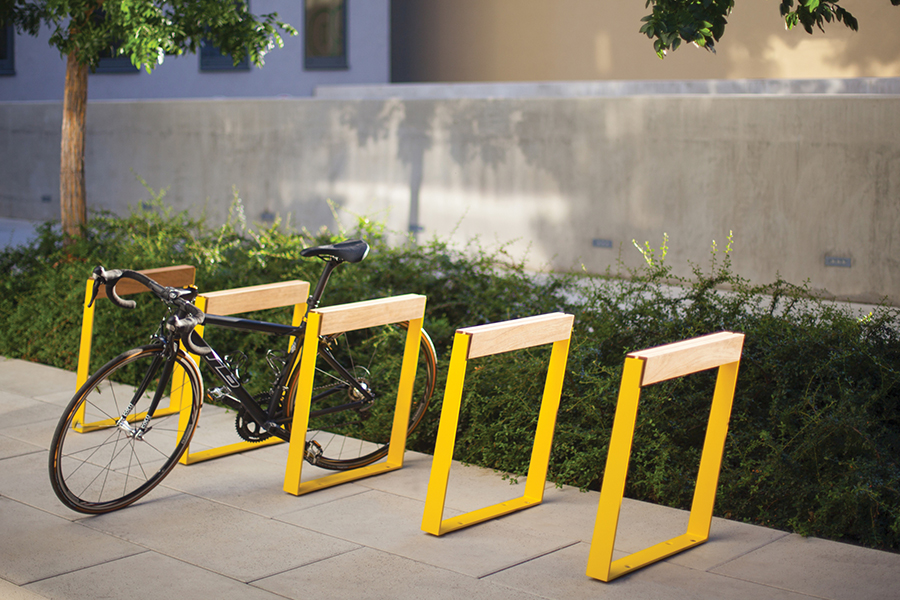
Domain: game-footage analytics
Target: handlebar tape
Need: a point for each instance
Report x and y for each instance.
(184, 328)
(111, 278)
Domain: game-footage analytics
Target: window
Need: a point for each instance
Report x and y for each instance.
(212, 59)
(326, 34)
(115, 64)
(110, 59)
(7, 39)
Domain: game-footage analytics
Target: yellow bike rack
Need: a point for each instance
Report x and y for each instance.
(485, 340)
(175, 276)
(350, 317)
(241, 300)
(722, 350)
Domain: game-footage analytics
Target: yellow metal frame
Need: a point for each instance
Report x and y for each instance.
(487, 340)
(722, 350)
(349, 317)
(181, 275)
(258, 301)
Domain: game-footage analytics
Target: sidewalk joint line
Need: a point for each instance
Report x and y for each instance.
(529, 559)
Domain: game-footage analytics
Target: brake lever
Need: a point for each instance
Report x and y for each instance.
(97, 284)
(184, 329)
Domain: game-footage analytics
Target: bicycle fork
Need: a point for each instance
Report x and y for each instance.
(167, 368)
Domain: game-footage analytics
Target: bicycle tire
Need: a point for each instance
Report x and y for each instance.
(359, 437)
(105, 468)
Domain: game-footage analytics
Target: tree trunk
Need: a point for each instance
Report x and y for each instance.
(71, 162)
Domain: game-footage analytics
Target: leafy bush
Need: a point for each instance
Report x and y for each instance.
(814, 435)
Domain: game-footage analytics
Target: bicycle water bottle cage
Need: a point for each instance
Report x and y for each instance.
(352, 251)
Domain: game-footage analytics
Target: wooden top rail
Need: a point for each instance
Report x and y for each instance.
(370, 313)
(176, 276)
(690, 356)
(495, 338)
(256, 297)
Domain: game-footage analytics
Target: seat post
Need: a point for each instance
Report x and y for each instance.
(330, 265)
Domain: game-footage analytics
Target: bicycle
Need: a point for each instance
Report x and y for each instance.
(110, 448)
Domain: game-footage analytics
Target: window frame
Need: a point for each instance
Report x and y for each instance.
(326, 63)
(115, 64)
(213, 60)
(8, 64)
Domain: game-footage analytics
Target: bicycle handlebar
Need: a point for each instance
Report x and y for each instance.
(181, 324)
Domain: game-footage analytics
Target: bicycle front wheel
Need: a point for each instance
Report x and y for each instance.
(344, 434)
(98, 462)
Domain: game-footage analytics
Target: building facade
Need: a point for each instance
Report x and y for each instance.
(591, 40)
(338, 42)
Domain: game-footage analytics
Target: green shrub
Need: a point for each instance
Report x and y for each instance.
(814, 435)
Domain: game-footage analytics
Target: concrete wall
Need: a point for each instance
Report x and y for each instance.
(536, 40)
(796, 178)
(41, 71)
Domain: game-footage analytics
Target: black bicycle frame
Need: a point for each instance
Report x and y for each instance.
(236, 389)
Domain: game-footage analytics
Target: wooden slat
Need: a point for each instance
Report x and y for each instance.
(256, 297)
(516, 334)
(371, 313)
(176, 276)
(690, 356)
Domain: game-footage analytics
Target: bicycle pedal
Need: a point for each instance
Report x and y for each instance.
(313, 451)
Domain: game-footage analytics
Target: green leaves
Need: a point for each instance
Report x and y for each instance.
(814, 13)
(148, 30)
(702, 22)
(814, 438)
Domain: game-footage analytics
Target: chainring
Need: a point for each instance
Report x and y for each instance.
(249, 429)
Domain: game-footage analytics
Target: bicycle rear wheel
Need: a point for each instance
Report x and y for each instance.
(97, 465)
(358, 436)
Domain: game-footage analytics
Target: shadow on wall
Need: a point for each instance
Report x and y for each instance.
(534, 40)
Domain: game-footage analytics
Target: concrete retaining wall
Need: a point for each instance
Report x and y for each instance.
(801, 180)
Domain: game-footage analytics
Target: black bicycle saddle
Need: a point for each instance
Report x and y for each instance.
(352, 251)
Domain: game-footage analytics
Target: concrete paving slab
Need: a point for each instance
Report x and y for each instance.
(60, 398)
(10, 447)
(219, 538)
(376, 575)
(275, 455)
(642, 524)
(561, 574)
(16, 410)
(148, 576)
(727, 541)
(469, 487)
(252, 485)
(17, 232)
(411, 481)
(393, 524)
(214, 428)
(571, 513)
(225, 529)
(38, 433)
(820, 568)
(36, 545)
(10, 591)
(26, 480)
(22, 377)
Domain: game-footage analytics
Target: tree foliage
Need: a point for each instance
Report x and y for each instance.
(702, 22)
(147, 30)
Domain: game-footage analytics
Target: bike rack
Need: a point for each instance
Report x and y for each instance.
(486, 340)
(643, 368)
(175, 276)
(241, 300)
(350, 317)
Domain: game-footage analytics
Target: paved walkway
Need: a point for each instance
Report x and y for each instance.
(224, 529)
(15, 232)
